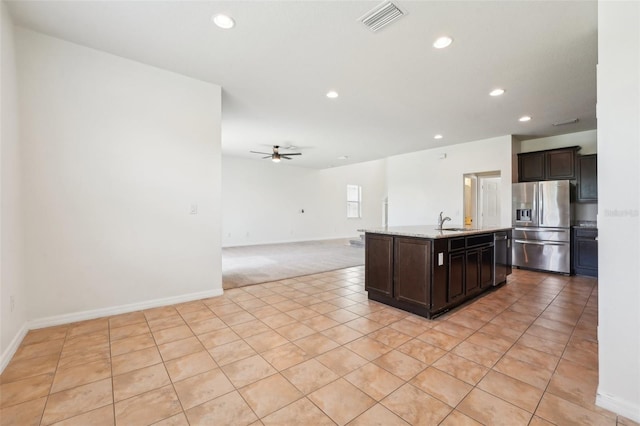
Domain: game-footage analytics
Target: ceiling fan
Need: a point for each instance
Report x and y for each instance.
(276, 155)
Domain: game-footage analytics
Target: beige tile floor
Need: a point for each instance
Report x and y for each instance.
(313, 351)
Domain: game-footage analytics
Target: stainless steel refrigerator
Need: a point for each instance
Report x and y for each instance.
(541, 220)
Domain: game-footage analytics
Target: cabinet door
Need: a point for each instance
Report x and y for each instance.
(588, 178)
(472, 278)
(560, 164)
(456, 276)
(486, 267)
(531, 167)
(585, 252)
(378, 276)
(412, 272)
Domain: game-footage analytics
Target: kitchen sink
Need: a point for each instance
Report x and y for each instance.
(457, 229)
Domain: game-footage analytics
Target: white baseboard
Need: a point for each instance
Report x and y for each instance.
(13, 347)
(304, 240)
(97, 313)
(624, 408)
(121, 309)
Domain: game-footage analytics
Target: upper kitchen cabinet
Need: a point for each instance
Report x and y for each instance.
(555, 164)
(587, 178)
(531, 166)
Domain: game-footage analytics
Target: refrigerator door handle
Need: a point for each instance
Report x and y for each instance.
(545, 229)
(541, 243)
(541, 205)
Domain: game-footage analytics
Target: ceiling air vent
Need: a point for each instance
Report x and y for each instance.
(381, 16)
(575, 120)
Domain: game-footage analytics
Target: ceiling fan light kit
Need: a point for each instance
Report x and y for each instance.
(276, 155)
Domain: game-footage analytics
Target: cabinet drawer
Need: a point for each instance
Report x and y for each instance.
(456, 243)
(479, 240)
(586, 233)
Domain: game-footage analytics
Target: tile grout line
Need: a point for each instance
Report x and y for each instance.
(546, 389)
(55, 371)
(235, 389)
(293, 294)
(162, 361)
(501, 357)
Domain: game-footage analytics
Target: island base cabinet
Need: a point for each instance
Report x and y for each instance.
(487, 257)
(470, 272)
(412, 279)
(378, 274)
(427, 276)
(472, 278)
(455, 287)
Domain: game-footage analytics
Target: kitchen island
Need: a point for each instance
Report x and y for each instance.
(428, 271)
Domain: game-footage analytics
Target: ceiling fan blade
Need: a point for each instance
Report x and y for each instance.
(258, 152)
(268, 156)
(285, 157)
(292, 153)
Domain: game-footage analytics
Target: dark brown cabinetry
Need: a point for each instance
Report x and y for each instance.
(555, 164)
(587, 188)
(456, 284)
(531, 167)
(379, 262)
(412, 271)
(486, 267)
(471, 265)
(472, 270)
(585, 251)
(561, 164)
(428, 276)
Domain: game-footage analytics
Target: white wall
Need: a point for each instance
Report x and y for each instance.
(619, 206)
(262, 201)
(114, 154)
(587, 141)
(421, 184)
(11, 261)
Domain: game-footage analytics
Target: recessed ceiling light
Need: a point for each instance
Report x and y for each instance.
(442, 42)
(332, 94)
(437, 137)
(223, 21)
(343, 157)
(524, 118)
(496, 92)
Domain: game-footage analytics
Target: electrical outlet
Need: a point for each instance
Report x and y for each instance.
(193, 209)
(12, 302)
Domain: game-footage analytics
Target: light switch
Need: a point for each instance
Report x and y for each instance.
(193, 209)
(440, 259)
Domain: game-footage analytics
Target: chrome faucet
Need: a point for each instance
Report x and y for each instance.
(442, 220)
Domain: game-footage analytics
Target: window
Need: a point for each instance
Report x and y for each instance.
(354, 201)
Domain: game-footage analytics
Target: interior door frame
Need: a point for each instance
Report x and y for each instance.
(481, 192)
(472, 196)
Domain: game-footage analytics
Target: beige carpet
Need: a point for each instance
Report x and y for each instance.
(248, 265)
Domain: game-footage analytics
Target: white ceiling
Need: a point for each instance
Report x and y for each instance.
(396, 90)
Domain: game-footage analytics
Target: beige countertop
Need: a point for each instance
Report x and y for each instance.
(431, 231)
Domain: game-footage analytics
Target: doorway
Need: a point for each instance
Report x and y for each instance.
(482, 199)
